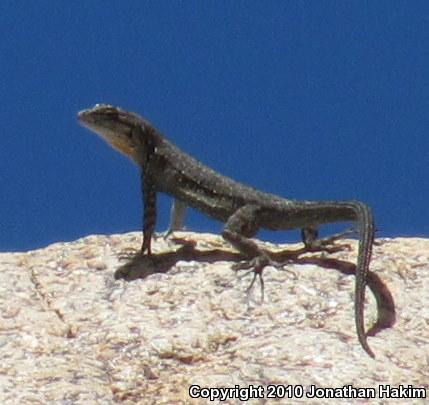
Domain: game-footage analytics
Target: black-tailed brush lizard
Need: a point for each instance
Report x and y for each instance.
(244, 210)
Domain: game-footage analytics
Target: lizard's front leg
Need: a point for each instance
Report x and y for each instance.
(177, 215)
(238, 230)
(149, 212)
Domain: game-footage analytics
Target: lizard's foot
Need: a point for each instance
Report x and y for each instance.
(165, 235)
(169, 233)
(255, 266)
(328, 245)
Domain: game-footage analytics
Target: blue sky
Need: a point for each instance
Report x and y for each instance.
(308, 100)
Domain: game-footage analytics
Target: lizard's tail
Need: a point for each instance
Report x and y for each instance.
(322, 212)
(366, 237)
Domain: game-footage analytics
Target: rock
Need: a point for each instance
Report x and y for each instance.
(71, 333)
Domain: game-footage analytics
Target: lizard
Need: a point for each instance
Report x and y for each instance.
(243, 209)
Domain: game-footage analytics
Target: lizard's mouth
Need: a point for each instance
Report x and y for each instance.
(89, 117)
(86, 118)
(100, 122)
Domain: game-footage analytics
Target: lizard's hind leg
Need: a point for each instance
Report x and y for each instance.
(238, 230)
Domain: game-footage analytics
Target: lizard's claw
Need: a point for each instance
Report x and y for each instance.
(255, 266)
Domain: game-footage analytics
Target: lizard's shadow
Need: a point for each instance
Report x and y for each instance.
(140, 267)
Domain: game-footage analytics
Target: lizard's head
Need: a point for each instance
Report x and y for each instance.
(120, 129)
